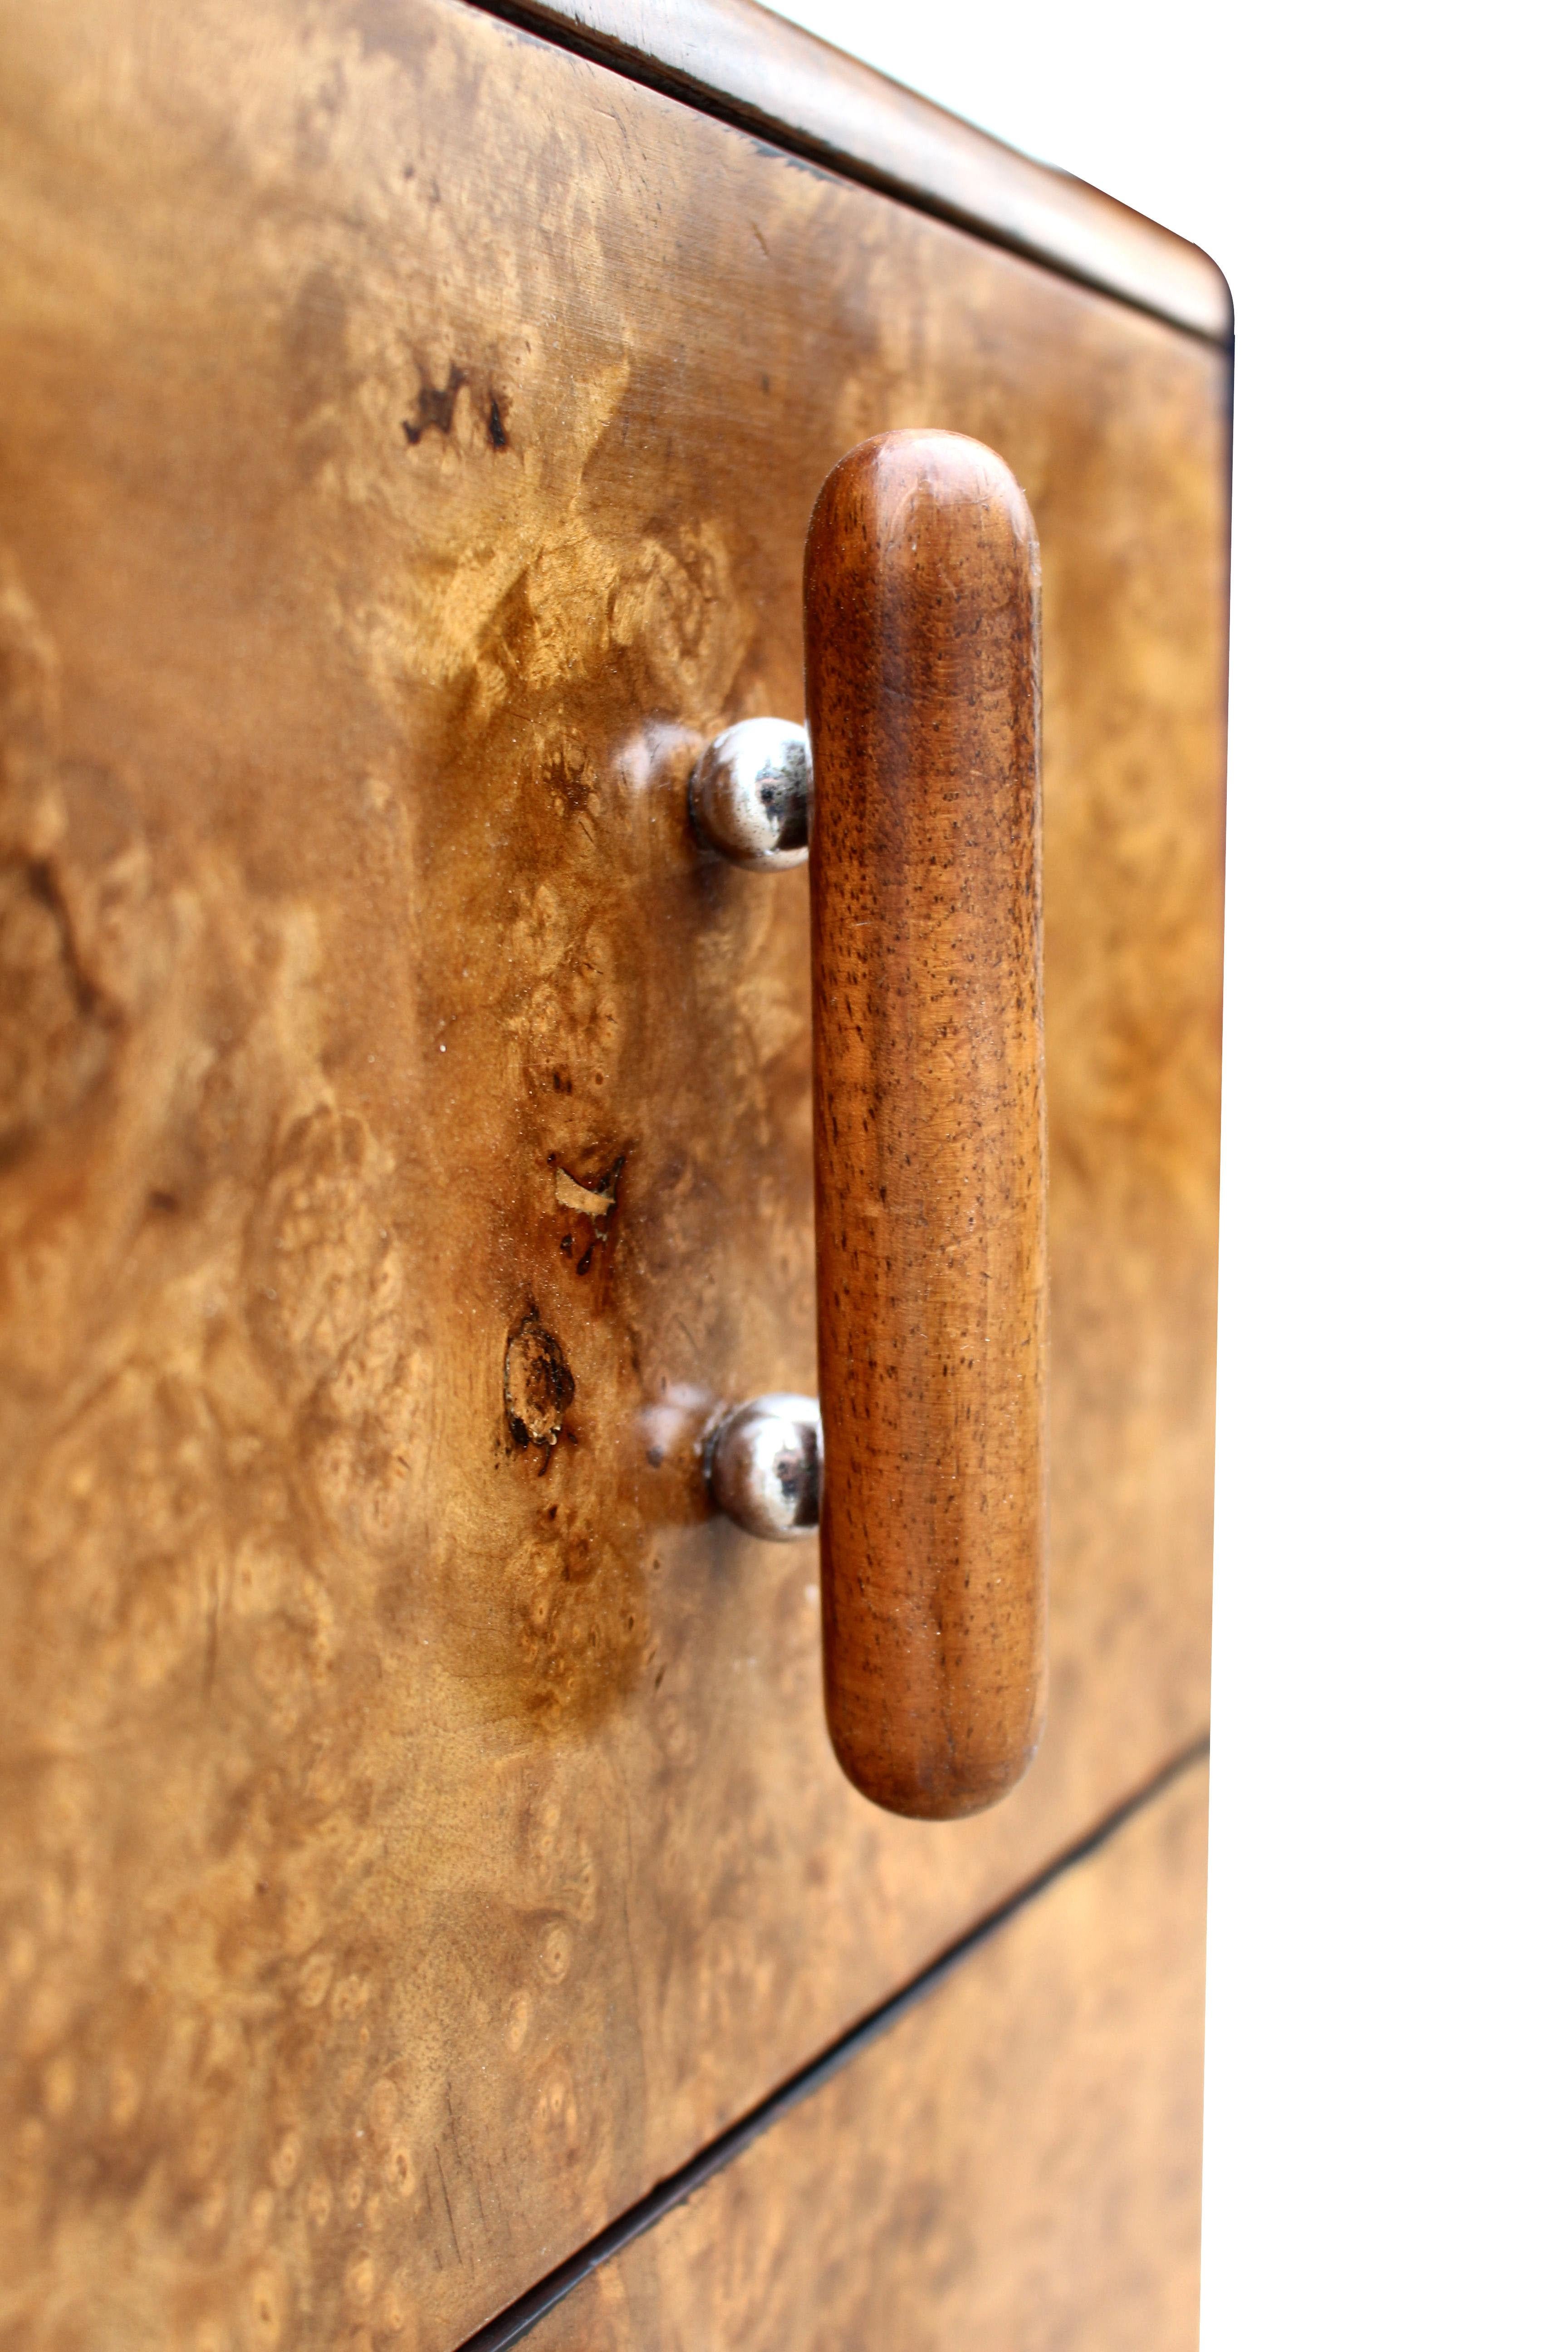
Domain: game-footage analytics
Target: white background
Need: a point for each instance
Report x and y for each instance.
(1386, 2095)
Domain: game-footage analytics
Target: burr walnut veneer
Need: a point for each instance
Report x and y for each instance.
(419, 1831)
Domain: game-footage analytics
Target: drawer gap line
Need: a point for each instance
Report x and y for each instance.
(510, 2326)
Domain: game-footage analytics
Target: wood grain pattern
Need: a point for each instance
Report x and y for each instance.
(414, 1841)
(923, 668)
(772, 75)
(1015, 2168)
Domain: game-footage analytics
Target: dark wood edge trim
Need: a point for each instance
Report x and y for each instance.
(738, 61)
(512, 2324)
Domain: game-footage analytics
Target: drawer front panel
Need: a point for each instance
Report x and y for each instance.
(1017, 2165)
(417, 1841)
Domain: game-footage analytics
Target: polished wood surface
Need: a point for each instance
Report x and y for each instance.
(1015, 2167)
(922, 670)
(414, 1842)
(761, 70)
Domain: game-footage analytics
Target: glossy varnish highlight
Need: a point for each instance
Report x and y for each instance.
(923, 695)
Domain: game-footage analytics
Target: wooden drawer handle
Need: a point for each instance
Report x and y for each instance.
(922, 688)
(923, 685)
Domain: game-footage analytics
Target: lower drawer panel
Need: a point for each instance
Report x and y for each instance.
(1016, 2166)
